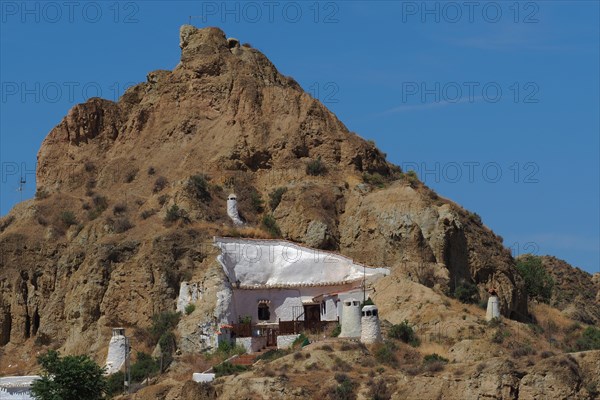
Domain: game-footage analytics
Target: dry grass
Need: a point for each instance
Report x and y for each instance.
(247, 232)
(431, 347)
(546, 316)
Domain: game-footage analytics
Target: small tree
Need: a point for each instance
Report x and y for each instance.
(69, 378)
(68, 218)
(256, 201)
(405, 333)
(270, 225)
(467, 293)
(200, 187)
(589, 340)
(275, 197)
(538, 282)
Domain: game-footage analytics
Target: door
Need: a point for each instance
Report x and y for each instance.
(271, 337)
(312, 316)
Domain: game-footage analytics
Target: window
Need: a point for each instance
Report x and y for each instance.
(263, 312)
(323, 307)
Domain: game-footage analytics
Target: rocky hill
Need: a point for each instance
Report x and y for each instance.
(576, 292)
(129, 194)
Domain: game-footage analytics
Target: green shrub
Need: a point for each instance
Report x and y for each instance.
(411, 176)
(499, 335)
(144, 367)
(270, 225)
(316, 167)
(100, 203)
(167, 342)
(199, 187)
(301, 341)
(159, 184)
(147, 213)
(256, 201)
(275, 197)
(130, 176)
(538, 282)
(273, 355)
(344, 390)
(163, 323)
(68, 218)
(337, 330)
(589, 339)
(174, 213)
(374, 179)
(189, 309)
(385, 353)
(434, 357)
(378, 390)
(228, 368)
(523, 350)
(405, 333)
(226, 350)
(120, 225)
(115, 383)
(466, 292)
(119, 208)
(68, 378)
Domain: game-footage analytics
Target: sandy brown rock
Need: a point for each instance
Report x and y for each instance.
(227, 113)
(575, 292)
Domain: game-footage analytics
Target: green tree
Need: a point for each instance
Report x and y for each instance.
(466, 292)
(69, 378)
(538, 282)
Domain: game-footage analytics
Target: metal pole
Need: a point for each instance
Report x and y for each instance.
(127, 376)
(364, 284)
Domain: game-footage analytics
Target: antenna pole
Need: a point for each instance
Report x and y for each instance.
(364, 284)
(22, 183)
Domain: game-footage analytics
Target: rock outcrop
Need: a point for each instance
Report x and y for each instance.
(103, 243)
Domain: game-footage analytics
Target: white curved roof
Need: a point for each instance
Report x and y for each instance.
(259, 263)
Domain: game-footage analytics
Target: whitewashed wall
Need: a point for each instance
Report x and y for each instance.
(16, 387)
(15, 394)
(286, 341)
(252, 344)
(282, 302)
(188, 293)
(117, 351)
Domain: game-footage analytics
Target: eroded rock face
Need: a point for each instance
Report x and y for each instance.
(224, 112)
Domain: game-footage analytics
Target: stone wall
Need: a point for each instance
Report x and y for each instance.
(286, 341)
(252, 344)
(202, 377)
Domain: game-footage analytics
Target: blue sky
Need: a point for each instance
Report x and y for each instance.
(496, 106)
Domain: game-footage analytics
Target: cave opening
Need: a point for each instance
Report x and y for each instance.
(27, 326)
(36, 322)
(5, 327)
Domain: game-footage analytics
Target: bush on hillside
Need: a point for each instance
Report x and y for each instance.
(538, 282)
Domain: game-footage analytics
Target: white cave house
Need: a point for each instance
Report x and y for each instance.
(277, 288)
